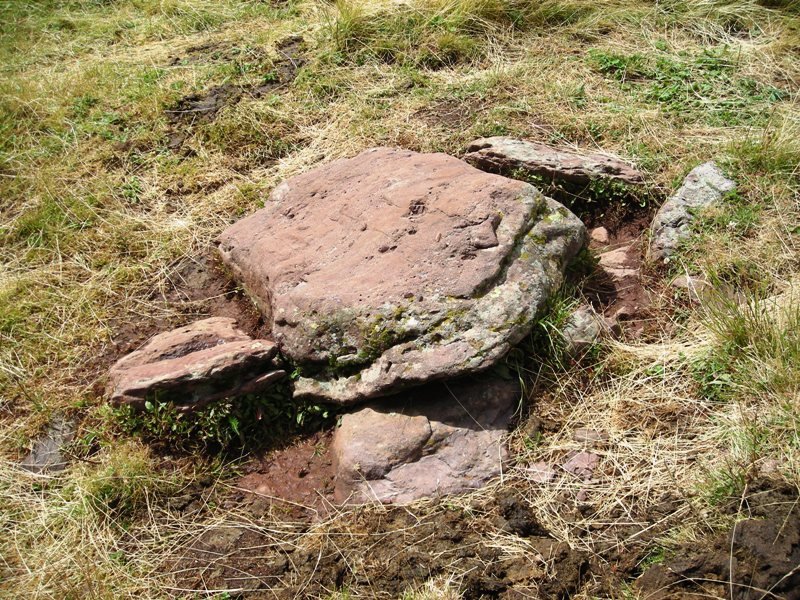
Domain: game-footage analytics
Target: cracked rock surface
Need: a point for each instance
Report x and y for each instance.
(443, 438)
(393, 268)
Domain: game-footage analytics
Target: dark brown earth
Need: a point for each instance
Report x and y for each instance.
(203, 107)
(758, 558)
(380, 552)
(197, 287)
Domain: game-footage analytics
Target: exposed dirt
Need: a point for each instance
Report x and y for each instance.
(624, 301)
(309, 548)
(381, 552)
(218, 52)
(758, 558)
(203, 107)
(200, 288)
(296, 480)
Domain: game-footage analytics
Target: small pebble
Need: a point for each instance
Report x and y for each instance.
(585, 435)
(541, 472)
(599, 235)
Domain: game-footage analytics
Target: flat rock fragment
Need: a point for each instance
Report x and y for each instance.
(619, 263)
(392, 268)
(582, 464)
(703, 187)
(443, 438)
(46, 455)
(563, 167)
(191, 366)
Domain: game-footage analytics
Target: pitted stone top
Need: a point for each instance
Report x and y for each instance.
(398, 252)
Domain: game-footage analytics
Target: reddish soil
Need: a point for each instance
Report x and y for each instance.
(624, 302)
(296, 480)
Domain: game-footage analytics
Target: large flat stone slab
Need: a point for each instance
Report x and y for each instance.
(444, 438)
(193, 365)
(394, 268)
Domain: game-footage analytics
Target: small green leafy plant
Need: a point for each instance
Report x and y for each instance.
(248, 421)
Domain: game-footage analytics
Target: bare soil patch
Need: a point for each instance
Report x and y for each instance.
(625, 301)
(491, 548)
(757, 558)
(198, 287)
(203, 107)
(296, 481)
(381, 553)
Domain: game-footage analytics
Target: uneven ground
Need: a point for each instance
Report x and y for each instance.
(133, 131)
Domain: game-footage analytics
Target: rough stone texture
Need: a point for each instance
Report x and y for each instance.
(618, 263)
(46, 454)
(599, 235)
(434, 440)
(504, 154)
(582, 464)
(541, 472)
(394, 268)
(194, 365)
(704, 186)
(583, 329)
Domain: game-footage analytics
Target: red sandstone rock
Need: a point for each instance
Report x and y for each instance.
(394, 268)
(582, 464)
(618, 263)
(504, 155)
(194, 365)
(435, 440)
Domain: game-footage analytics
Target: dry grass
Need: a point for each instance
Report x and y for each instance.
(98, 212)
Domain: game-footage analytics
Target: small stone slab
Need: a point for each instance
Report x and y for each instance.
(506, 155)
(618, 263)
(46, 455)
(191, 366)
(393, 268)
(541, 472)
(435, 440)
(582, 464)
(703, 187)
